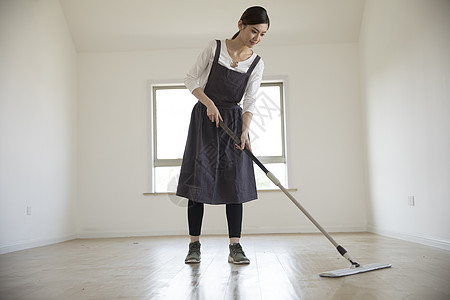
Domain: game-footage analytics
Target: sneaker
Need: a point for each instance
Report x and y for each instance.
(193, 256)
(237, 255)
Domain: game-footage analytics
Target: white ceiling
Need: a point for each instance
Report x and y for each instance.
(137, 25)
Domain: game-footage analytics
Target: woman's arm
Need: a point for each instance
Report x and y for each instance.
(196, 72)
(245, 142)
(200, 68)
(249, 103)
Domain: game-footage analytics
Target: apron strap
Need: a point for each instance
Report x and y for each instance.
(216, 56)
(253, 65)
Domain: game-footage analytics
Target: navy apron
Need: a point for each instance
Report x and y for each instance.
(213, 171)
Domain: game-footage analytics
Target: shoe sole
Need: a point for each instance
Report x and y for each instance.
(192, 261)
(244, 262)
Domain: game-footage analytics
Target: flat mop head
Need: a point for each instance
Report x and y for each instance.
(355, 270)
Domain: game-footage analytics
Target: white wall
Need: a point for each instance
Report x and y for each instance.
(324, 143)
(37, 125)
(405, 59)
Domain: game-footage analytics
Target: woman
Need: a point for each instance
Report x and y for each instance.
(213, 170)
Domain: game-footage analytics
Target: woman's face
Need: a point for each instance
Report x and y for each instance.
(251, 35)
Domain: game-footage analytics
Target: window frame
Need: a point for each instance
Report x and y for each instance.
(154, 162)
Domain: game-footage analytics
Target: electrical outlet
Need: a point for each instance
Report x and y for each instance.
(28, 210)
(411, 201)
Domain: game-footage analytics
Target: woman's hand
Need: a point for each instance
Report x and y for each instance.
(213, 113)
(245, 142)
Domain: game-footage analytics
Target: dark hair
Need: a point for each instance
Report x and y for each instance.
(252, 16)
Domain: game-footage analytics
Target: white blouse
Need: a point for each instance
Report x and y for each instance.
(199, 72)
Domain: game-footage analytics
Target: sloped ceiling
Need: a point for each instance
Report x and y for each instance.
(140, 25)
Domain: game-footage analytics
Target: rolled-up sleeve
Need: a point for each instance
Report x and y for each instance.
(197, 72)
(253, 85)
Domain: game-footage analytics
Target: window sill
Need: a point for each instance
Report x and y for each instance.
(259, 191)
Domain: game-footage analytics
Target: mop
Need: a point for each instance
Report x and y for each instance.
(355, 267)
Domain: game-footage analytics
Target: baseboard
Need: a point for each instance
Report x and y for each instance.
(441, 244)
(122, 234)
(303, 229)
(35, 243)
(216, 231)
(424, 240)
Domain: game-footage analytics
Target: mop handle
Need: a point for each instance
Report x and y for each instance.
(277, 183)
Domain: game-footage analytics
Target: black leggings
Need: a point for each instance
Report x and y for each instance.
(234, 218)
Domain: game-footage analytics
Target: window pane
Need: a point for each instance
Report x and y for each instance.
(166, 179)
(173, 108)
(266, 128)
(264, 183)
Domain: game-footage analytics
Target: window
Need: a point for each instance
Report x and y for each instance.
(171, 113)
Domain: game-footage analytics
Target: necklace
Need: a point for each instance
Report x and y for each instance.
(234, 64)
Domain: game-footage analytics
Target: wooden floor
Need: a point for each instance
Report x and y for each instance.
(282, 267)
